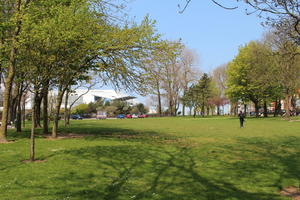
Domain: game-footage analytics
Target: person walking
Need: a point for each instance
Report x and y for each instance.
(242, 119)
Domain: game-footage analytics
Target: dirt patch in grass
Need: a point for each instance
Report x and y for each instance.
(6, 141)
(35, 161)
(125, 136)
(66, 136)
(292, 192)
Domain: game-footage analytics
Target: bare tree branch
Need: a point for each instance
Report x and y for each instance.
(214, 1)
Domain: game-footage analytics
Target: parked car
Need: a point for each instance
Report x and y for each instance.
(134, 116)
(77, 117)
(101, 115)
(142, 116)
(128, 116)
(121, 116)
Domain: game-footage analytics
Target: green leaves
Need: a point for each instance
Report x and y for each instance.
(251, 74)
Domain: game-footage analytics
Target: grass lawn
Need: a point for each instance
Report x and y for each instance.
(156, 158)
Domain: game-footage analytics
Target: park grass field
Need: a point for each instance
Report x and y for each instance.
(156, 158)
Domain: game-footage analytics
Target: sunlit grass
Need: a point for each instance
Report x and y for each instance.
(157, 158)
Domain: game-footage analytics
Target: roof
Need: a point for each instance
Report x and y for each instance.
(107, 94)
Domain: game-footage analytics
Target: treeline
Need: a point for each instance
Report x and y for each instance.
(264, 74)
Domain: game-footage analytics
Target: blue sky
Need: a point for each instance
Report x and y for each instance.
(213, 32)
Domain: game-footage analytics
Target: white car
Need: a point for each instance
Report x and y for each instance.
(135, 116)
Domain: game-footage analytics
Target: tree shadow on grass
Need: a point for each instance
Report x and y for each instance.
(145, 172)
(150, 171)
(122, 134)
(97, 132)
(280, 156)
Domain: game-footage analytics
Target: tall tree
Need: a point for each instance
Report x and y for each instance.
(199, 94)
(15, 18)
(219, 78)
(189, 72)
(250, 74)
(163, 72)
(287, 60)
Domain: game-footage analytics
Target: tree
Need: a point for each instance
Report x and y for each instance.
(250, 75)
(111, 110)
(279, 13)
(14, 16)
(287, 60)
(219, 78)
(199, 94)
(141, 108)
(122, 107)
(81, 109)
(70, 103)
(188, 73)
(62, 61)
(170, 76)
(217, 99)
(163, 74)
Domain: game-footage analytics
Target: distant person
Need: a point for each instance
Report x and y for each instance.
(242, 119)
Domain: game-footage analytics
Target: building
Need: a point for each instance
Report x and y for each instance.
(91, 96)
(82, 96)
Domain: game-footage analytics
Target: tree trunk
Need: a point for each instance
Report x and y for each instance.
(202, 110)
(245, 109)
(24, 110)
(32, 135)
(293, 103)
(45, 110)
(171, 107)
(176, 104)
(57, 110)
(287, 106)
(19, 110)
(69, 116)
(10, 74)
(6, 101)
(13, 104)
(66, 109)
(233, 107)
(265, 109)
(38, 102)
(279, 110)
(158, 98)
(19, 118)
(223, 110)
(276, 108)
(256, 109)
(218, 110)
(159, 104)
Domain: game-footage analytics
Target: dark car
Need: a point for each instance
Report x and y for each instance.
(77, 117)
(121, 116)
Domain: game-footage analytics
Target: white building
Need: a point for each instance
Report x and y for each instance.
(84, 96)
(88, 96)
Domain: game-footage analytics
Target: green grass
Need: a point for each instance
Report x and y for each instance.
(156, 158)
